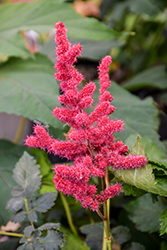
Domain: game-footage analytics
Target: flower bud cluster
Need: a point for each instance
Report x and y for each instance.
(90, 143)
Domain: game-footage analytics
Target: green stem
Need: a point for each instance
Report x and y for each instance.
(107, 236)
(106, 207)
(13, 234)
(68, 213)
(27, 210)
(19, 131)
(104, 240)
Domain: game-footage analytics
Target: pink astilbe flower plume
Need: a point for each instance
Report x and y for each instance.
(90, 143)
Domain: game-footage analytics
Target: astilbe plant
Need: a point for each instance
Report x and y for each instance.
(90, 143)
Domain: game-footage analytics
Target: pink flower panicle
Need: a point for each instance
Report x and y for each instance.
(90, 144)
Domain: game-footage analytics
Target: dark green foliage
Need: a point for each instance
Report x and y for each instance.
(9, 155)
(134, 246)
(121, 234)
(145, 214)
(47, 236)
(43, 202)
(156, 77)
(94, 233)
(53, 240)
(27, 175)
(43, 16)
(163, 219)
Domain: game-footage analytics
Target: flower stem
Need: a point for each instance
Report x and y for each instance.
(68, 213)
(27, 210)
(12, 234)
(106, 207)
(107, 236)
(19, 131)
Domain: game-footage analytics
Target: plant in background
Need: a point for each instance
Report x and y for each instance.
(26, 203)
(90, 143)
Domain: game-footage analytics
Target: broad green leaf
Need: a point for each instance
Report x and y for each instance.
(33, 89)
(93, 50)
(94, 238)
(132, 190)
(142, 178)
(43, 202)
(160, 172)
(27, 175)
(9, 155)
(155, 77)
(163, 224)
(145, 214)
(40, 16)
(121, 234)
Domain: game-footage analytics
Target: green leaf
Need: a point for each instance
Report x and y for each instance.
(32, 216)
(145, 214)
(121, 234)
(163, 224)
(17, 191)
(142, 178)
(18, 217)
(72, 241)
(28, 230)
(132, 190)
(150, 148)
(27, 175)
(9, 155)
(47, 226)
(134, 246)
(33, 85)
(155, 77)
(47, 184)
(53, 240)
(90, 48)
(26, 246)
(43, 202)
(42, 160)
(94, 238)
(15, 204)
(40, 16)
